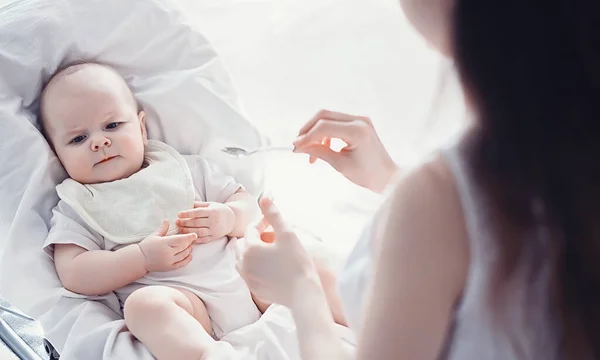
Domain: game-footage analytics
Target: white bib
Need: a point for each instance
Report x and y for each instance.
(126, 211)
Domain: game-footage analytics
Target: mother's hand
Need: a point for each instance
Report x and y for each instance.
(274, 265)
(364, 160)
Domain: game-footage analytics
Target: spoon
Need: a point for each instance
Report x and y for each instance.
(239, 152)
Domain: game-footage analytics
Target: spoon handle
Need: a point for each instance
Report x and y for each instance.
(272, 148)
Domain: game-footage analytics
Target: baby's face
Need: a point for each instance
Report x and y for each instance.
(93, 123)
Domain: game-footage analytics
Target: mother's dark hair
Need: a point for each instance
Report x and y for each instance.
(531, 69)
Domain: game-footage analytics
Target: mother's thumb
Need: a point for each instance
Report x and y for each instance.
(272, 214)
(322, 152)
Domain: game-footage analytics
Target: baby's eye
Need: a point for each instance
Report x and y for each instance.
(113, 125)
(78, 139)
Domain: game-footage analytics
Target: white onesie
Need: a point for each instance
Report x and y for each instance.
(112, 215)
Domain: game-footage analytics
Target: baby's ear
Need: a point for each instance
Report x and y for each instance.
(142, 118)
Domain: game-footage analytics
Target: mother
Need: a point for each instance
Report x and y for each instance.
(491, 250)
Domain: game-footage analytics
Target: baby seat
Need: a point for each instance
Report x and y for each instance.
(21, 337)
(179, 80)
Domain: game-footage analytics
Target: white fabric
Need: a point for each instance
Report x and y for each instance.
(126, 211)
(211, 274)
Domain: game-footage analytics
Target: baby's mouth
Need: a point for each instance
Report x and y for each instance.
(107, 160)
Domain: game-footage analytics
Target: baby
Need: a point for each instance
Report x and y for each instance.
(137, 218)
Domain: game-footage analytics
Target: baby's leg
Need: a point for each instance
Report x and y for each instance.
(173, 324)
(200, 312)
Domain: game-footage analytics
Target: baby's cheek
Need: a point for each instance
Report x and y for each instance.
(135, 145)
(69, 162)
(77, 167)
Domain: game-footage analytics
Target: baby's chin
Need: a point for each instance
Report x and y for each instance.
(103, 177)
(116, 168)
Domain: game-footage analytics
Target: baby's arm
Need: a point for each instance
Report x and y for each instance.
(245, 208)
(98, 271)
(225, 208)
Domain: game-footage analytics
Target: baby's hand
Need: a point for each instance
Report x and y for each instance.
(166, 253)
(209, 220)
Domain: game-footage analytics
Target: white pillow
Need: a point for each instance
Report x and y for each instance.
(171, 68)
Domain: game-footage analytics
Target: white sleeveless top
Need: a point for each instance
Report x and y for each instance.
(528, 332)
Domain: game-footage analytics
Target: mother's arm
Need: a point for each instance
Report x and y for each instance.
(317, 331)
(420, 272)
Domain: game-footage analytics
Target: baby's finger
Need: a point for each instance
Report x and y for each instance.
(201, 212)
(200, 232)
(204, 239)
(163, 229)
(182, 263)
(181, 240)
(193, 223)
(182, 254)
(201, 204)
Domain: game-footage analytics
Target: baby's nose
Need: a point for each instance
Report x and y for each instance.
(101, 143)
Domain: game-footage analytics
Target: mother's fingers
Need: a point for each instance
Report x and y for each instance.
(272, 215)
(350, 132)
(326, 144)
(251, 236)
(262, 225)
(268, 236)
(253, 230)
(251, 249)
(331, 115)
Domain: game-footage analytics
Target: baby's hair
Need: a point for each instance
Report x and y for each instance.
(66, 69)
